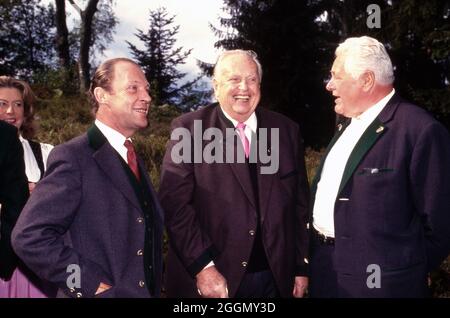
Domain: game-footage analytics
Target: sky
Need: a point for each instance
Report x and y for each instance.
(193, 17)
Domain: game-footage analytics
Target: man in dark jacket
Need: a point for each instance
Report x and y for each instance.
(13, 194)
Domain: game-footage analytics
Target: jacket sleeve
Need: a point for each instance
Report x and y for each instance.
(13, 195)
(176, 193)
(302, 212)
(41, 237)
(430, 184)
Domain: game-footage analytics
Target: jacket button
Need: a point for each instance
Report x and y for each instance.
(145, 203)
(251, 232)
(79, 295)
(141, 283)
(72, 290)
(244, 264)
(140, 220)
(139, 253)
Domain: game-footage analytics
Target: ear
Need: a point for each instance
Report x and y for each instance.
(215, 84)
(100, 95)
(367, 81)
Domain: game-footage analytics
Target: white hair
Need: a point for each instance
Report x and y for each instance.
(366, 54)
(249, 53)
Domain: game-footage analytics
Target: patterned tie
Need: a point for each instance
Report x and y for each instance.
(245, 143)
(131, 157)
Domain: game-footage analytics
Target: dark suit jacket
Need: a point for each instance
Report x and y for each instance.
(211, 209)
(85, 212)
(393, 206)
(13, 194)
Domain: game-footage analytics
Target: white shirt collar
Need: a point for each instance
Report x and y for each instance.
(251, 122)
(115, 138)
(373, 111)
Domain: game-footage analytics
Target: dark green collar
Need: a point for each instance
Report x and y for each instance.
(370, 136)
(95, 137)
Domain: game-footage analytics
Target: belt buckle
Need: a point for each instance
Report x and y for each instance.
(328, 240)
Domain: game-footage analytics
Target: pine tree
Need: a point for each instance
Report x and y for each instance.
(160, 59)
(26, 38)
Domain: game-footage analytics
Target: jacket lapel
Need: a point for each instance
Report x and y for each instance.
(265, 181)
(240, 170)
(108, 160)
(370, 136)
(373, 132)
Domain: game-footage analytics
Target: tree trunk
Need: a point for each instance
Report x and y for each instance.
(85, 42)
(62, 35)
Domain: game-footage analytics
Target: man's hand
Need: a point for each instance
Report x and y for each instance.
(102, 288)
(300, 286)
(211, 284)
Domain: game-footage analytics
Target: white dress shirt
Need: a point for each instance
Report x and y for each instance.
(31, 166)
(333, 168)
(115, 138)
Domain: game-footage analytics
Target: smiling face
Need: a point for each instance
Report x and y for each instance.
(124, 107)
(237, 86)
(11, 106)
(348, 91)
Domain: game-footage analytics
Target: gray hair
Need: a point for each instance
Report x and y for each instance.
(249, 53)
(366, 54)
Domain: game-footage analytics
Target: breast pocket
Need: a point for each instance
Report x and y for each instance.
(374, 172)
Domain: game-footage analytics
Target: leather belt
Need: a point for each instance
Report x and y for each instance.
(323, 239)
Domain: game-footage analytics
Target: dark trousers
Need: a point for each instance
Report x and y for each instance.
(326, 283)
(258, 285)
(323, 281)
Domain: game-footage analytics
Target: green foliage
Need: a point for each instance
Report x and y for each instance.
(312, 161)
(58, 80)
(26, 38)
(62, 118)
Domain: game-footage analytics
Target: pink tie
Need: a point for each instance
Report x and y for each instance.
(245, 143)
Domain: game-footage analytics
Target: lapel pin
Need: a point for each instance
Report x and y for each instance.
(339, 127)
(379, 129)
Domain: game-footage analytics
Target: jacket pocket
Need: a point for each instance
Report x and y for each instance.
(374, 171)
